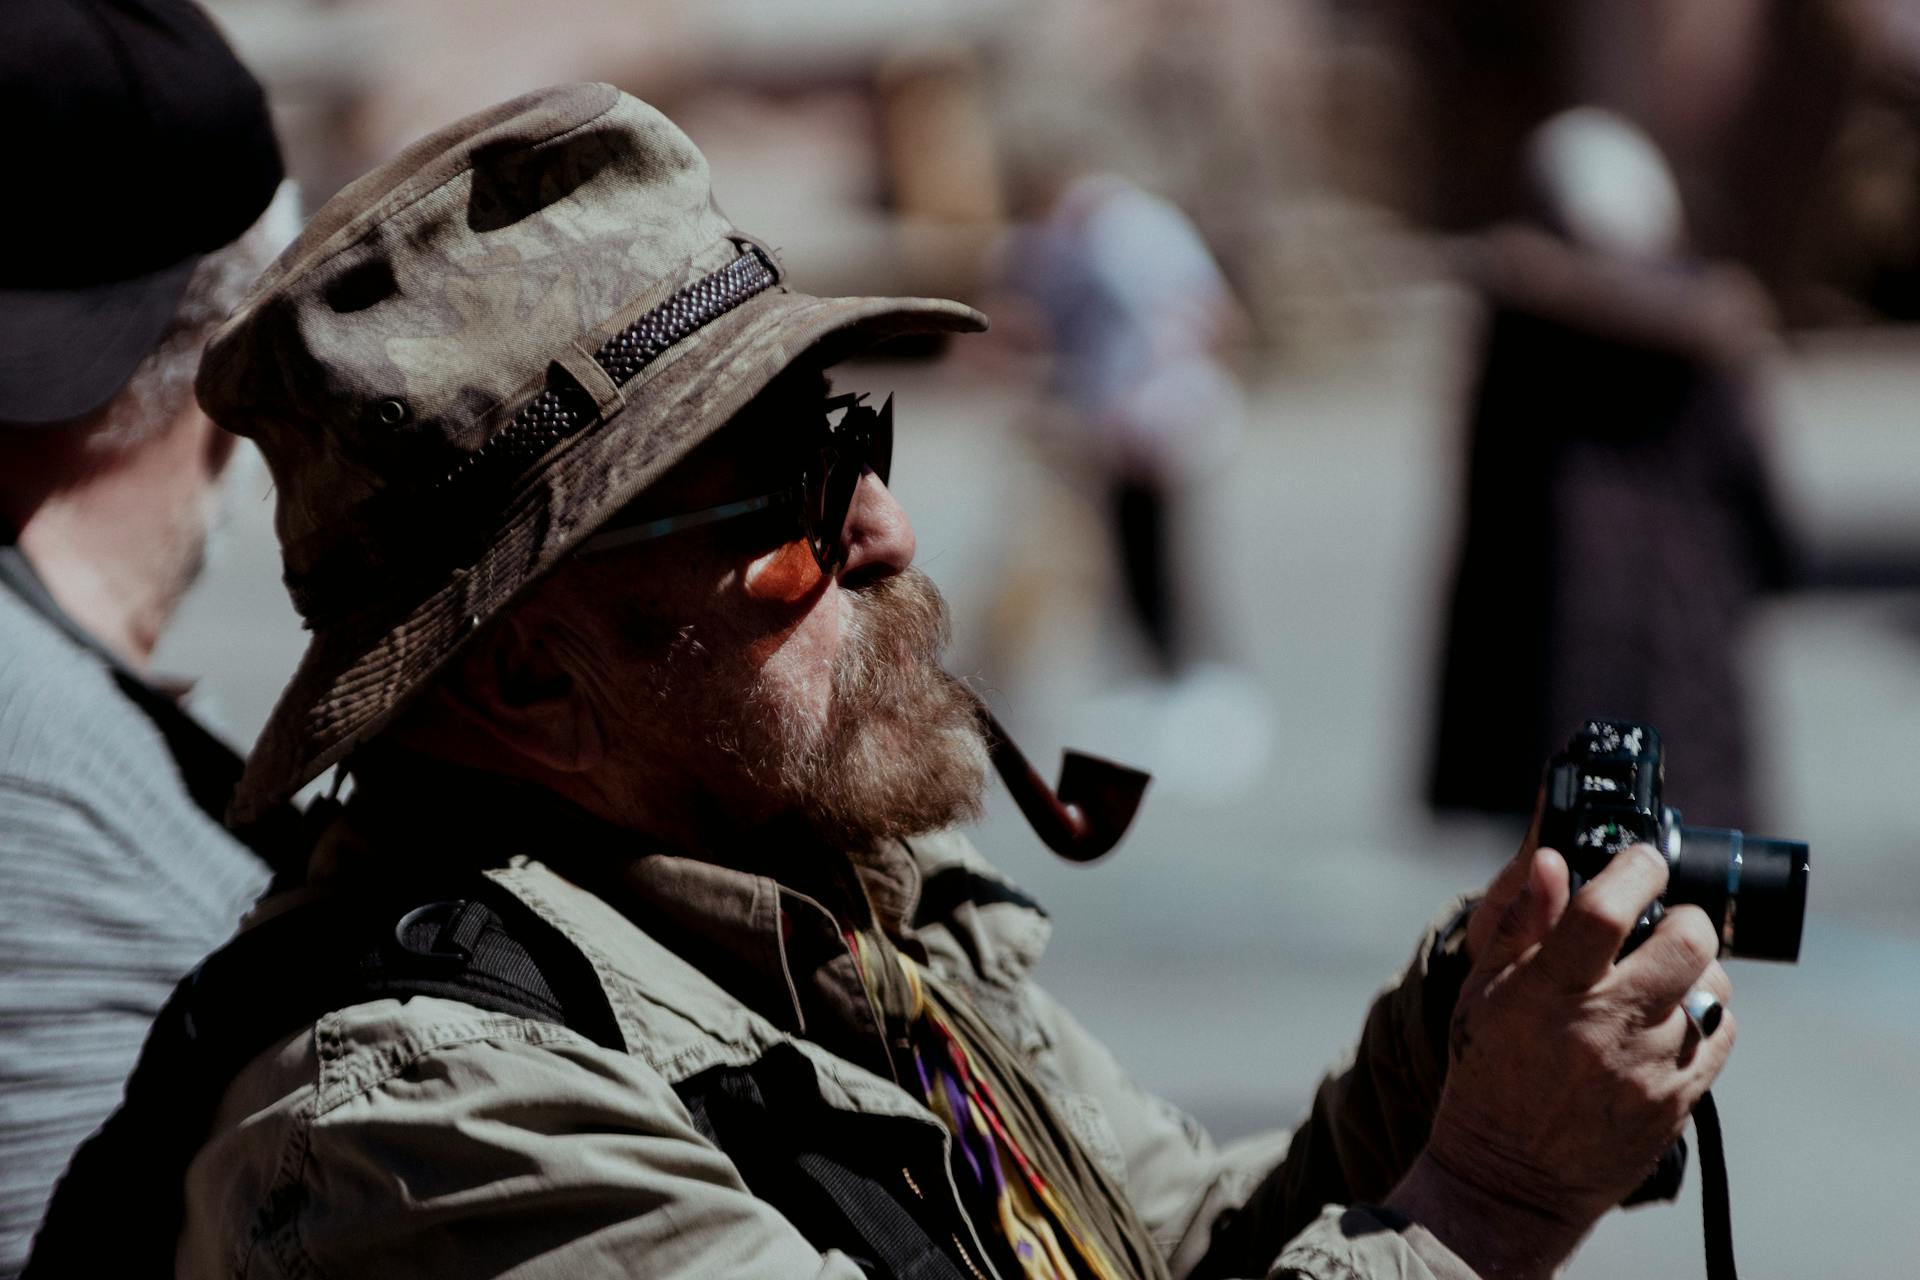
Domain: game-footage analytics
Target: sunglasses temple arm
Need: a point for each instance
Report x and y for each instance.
(1090, 810)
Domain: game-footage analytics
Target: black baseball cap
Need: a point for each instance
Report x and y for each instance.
(136, 144)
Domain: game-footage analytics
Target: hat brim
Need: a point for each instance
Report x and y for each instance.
(357, 676)
(66, 352)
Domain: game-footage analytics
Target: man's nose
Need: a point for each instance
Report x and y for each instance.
(878, 536)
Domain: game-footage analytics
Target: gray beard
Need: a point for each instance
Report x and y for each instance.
(901, 751)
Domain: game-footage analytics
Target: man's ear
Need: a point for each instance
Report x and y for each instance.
(514, 688)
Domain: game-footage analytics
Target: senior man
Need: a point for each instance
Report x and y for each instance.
(643, 945)
(143, 163)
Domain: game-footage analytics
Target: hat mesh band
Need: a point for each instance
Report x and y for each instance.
(558, 412)
(475, 484)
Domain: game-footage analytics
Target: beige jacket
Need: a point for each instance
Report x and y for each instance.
(430, 1138)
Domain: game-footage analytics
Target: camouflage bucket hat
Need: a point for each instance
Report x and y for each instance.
(470, 359)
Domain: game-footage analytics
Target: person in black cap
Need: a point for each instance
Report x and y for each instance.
(142, 202)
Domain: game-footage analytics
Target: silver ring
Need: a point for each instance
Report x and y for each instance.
(1703, 1010)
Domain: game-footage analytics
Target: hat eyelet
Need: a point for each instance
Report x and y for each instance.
(392, 412)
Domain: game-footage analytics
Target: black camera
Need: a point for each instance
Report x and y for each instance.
(1604, 794)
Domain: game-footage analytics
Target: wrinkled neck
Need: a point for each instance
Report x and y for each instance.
(118, 535)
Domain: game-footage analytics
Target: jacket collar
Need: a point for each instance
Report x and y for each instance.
(769, 926)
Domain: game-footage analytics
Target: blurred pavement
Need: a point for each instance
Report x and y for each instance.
(1227, 951)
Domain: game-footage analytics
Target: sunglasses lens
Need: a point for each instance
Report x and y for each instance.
(879, 443)
(862, 442)
(830, 537)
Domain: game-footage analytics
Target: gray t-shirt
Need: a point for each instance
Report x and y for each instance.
(113, 884)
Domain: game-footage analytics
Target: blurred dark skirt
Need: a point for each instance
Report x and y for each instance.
(1619, 524)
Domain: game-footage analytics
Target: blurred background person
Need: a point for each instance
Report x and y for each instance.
(153, 165)
(1143, 409)
(1619, 519)
(1136, 315)
(1691, 171)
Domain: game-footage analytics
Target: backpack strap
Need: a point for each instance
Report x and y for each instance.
(837, 1177)
(469, 940)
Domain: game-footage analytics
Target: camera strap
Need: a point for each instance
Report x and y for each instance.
(1716, 1206)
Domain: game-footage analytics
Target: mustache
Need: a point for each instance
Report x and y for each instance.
(900, 628)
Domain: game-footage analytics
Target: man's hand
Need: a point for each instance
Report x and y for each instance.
(1568, 1073)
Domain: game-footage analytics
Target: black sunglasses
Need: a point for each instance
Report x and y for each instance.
(832, 461)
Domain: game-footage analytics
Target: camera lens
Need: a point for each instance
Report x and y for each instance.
(1771, 909)
(1754, 888)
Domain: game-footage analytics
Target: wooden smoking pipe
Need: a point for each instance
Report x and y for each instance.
(1091, 809)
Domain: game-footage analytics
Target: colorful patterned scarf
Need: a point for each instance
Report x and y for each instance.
(1059, 1214)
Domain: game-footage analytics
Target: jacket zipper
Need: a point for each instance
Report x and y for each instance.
(959, 1245)
(985, 1269)
(967, 1257)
